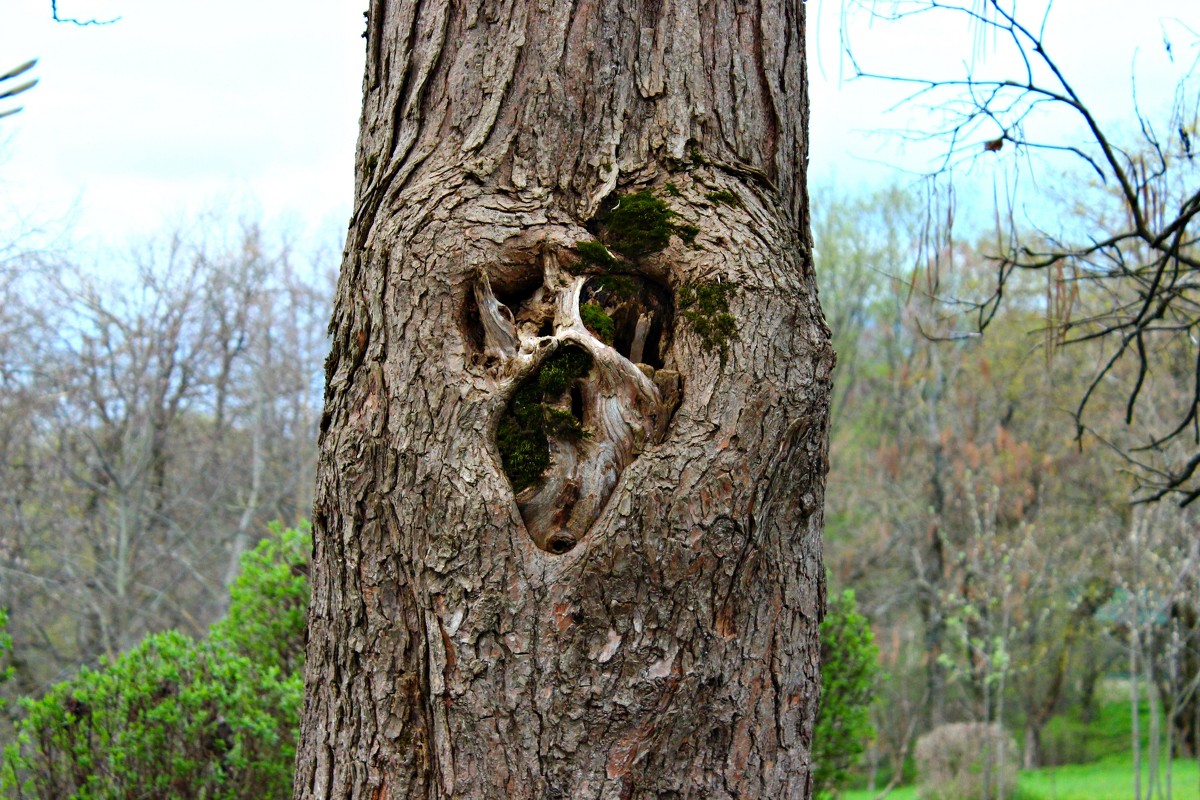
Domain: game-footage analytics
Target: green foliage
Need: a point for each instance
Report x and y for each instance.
(706, 307)
(621, 285)
(172, 718)
(181, 718)
(672, 190)
(521, 433)
(849, 668)
(268, 607)
(6, 671)
(598, 322)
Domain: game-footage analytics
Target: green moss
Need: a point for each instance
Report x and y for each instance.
(521, 433)
(687, 233)
(639, 224)
(697, 157)
(561, 369)
(524, 453)
(724, 196)
(672, 189)
(598, 322)
(594, 252)
(563, 423)
(705, 306)
(622, 285)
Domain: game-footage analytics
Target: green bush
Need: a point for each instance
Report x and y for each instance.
(849, 667)
(268, 606)
(6, 669)
(177, 718)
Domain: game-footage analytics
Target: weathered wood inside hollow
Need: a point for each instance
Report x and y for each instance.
(672, 652)
(621, 411)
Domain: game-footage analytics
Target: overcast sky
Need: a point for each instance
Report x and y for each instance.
(253, 105)
(182, 106)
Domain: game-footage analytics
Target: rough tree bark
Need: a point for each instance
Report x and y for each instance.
(572, 463)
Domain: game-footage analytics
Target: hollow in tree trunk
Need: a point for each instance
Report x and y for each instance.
(569, 501)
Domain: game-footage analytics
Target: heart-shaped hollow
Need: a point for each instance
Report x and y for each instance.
(578, 359)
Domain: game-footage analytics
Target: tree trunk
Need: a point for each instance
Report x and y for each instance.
(569, 498)
(1032, 753)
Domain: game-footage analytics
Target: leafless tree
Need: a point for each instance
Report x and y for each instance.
(159, 409)
(1125, 270)
(9, 87)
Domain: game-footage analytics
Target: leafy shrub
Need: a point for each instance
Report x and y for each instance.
(849, 667)
(177, 718)
(6, 669)
(268, 607)
(966, 761)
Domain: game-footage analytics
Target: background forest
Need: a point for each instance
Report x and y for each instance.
(153, 427)
(995, 550)
(157, 409)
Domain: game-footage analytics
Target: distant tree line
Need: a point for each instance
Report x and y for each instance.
(1004, 570)
(157, 408)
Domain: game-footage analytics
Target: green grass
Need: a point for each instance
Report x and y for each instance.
(1101, 763)
(1110, 778)
(1068, 740)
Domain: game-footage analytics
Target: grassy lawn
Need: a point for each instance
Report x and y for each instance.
(1108, 779)
(1102, 748)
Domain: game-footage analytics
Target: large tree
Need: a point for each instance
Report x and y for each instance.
(569, 501)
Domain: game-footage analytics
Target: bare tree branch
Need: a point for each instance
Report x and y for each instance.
(1140, 250)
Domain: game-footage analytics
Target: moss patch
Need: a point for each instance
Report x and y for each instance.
(561, 369)
(620, 285)
(705, 306)
(521, 434)
(639, 224)
(687, 233)
(597, 254)
(724, 196)
(598, 322)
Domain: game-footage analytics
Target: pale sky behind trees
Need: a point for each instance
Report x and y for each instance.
(181, 107)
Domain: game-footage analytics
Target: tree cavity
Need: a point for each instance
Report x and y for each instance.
(578, 357)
